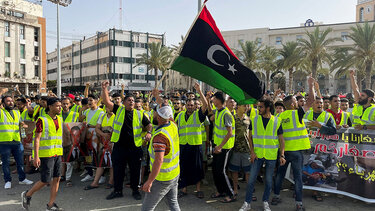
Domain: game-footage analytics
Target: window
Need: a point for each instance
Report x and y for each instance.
(344, 36)
(36, 51)
(279, 41)
(22, 49)
(7, 49)
(361, 11)
(23, 70)
(298, 37)
(36, 34)
(259, 41)
(22, 32)
(7, 69)
(7, 26)
(36, 70)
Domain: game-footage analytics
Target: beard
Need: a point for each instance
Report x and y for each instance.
(363, 102)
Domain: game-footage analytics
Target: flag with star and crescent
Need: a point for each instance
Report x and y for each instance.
(206, 57)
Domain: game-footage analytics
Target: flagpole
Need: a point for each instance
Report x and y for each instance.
(184, 40)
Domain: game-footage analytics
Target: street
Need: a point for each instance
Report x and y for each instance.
(76, 199)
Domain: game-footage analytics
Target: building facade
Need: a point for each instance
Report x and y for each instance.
(23, 41)
(110, 55)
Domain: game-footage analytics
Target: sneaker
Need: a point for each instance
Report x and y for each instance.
(25, 182)
(25, 200)
(8, 185)
(275, 200)
(114, 195)
(102, 180)
(299, 207)
(136, 195)
(54, 207)
(245, 206)
(83, 173)
(87, 178)
(266, 206)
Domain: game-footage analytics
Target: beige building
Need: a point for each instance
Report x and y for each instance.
(332, 82)
(23, 45)
(110, 55)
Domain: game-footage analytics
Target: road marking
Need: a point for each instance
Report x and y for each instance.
(120, 207)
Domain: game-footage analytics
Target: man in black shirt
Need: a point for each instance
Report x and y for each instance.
(127, 148)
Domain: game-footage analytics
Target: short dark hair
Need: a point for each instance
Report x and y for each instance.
(299, 97)
(268, 103)
(325, 98)
(45, 98)
(128, 96)
(5, 97)
(85, 101)
(318, 98)
(220, 96)
(288, 98)
(37, 97)
(116, 95)
(369, 92)
(67, 98)
(51, 101)
(190, 100)
(279, 103)
(344, 100)
(138, 100)
(93, 96)
(333, 96)
(22, 100)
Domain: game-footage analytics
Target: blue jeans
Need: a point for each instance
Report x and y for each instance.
(296, 160)
(255, 167)
(17, 152)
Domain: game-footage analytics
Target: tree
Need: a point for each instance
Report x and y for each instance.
(291, 59)
(249, 54)
(158, 59)
(268, 63)
(315, 47)
(364, 47)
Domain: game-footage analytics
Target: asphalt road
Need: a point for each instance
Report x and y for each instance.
(76, 199)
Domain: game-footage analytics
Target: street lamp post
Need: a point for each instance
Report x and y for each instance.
(63, 3)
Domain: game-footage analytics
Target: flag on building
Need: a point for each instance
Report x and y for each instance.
(205, 56)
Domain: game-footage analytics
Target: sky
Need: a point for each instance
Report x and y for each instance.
(174, 17)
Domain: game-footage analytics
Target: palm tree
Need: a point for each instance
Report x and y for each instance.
(315, 47)
(158, 59)
(249, 54)
(268, 63)
(364, 47)
(291, 58)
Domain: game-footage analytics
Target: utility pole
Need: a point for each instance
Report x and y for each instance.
(63, 3)
(120, 18)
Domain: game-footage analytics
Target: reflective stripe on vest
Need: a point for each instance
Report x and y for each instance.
(72, 117)
(344, 118)
(25, 116)
(51, 140)
(170, 167)
(265, 140)
(220, 131)
(108, 122)
(137, 125)
(9, 126)
(94, 118)
(294, 132)
(190, 131)
(363, 117)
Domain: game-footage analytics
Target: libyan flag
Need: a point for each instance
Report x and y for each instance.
(205, 56)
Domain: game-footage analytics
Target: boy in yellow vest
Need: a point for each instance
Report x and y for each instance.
(265, 138)
(47, 153)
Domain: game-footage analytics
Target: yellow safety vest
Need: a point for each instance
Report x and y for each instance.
(95, 118)
(253, 113)
(220, 131)
(72, 117)
(9, 127)
(51, 140)
(108, 122)
(294, 132)
(25, 116)
(363, 117)
(265, 140)
(344, 118)
(170, 168)
(190, 132)
(76, 108)
(322, 118)
(119, 121)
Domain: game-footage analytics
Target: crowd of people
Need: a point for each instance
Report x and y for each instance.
(166, 141)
